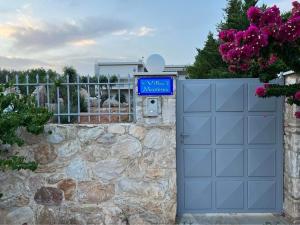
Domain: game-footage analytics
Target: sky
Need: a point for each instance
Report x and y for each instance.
(57, 33)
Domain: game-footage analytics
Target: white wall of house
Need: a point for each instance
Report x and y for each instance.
(119, 69)
(125, 68)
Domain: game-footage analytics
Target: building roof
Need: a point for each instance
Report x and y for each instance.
(176, 68)
(288, 73)
(140, 63)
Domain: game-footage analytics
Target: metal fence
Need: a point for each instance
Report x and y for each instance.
(79, 99)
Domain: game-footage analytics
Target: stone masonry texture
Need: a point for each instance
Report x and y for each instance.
(292, 159)
(94, 174)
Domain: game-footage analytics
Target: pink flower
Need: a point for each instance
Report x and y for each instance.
(227, 35)
(267, 27)
(296, 9)
(239, 37)
(224, 48)
(244, 67)
(297, 115)
(289, 31)
(261, 91)
(272, 59)
(254, 14)
(232, 69)
(262, 63)
(297, 96)
(270, 17)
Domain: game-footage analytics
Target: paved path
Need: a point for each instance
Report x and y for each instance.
(244, 219)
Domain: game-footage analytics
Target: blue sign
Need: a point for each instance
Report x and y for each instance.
(155, 86)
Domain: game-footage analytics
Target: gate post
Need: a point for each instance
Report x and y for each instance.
(155, 111)
(292, 160)
(166, 102)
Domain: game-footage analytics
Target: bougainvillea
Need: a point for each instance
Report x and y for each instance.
(269, 37)
(260, 91)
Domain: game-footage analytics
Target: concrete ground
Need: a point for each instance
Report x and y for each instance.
(233, 218)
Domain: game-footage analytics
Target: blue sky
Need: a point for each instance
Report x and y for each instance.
(55, 33)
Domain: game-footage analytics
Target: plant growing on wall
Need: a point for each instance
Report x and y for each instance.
(16, 112)
(271, 40)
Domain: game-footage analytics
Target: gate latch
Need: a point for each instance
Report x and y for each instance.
(182, 135)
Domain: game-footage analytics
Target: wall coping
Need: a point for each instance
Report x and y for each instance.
(287, 73)
(155, 74)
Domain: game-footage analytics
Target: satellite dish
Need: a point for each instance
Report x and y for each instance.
(155, 63)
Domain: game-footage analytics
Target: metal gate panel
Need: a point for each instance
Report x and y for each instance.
(229, 147)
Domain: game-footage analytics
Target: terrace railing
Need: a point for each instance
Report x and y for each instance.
(77, 99)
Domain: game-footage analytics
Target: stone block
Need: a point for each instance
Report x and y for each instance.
(77, 170)
(58, 133)
(108, 170)
(292, 163)
(17, 200)
(55, 178)
(291, 206)
(68, 186)
(137, 131)
(148, 210)
(116, 129)
(141, 189)
(107, 138)
(88, 134)
(20, 216)
(156, 139)
(68, 149)
(126, 147)
(96, 152)
(44, 153)
(46, 217)
(169, 110)
(292, 186)
(163, 159)
(48, 196)
(29, 138)
(94, 192)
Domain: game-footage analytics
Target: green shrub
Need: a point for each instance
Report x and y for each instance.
(17, 112)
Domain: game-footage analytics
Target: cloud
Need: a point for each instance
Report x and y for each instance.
(14, 63)
(36, 35)
(83, 42)
(6, 31)
(144, 31)
(140, 32)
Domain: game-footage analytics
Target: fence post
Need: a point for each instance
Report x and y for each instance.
(58, 102)
(48, 91)
(27, 85)
(78, 97)
(68, 96)
(119, 96)
(17, 83)
(109, 105)
(88, 103)
(99, 99)
(37, 89)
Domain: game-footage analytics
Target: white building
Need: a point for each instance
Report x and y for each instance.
(125, 69)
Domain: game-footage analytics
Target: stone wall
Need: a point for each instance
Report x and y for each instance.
(94, 174)
(292, 159)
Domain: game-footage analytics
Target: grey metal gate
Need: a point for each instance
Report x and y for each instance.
(229, 147)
